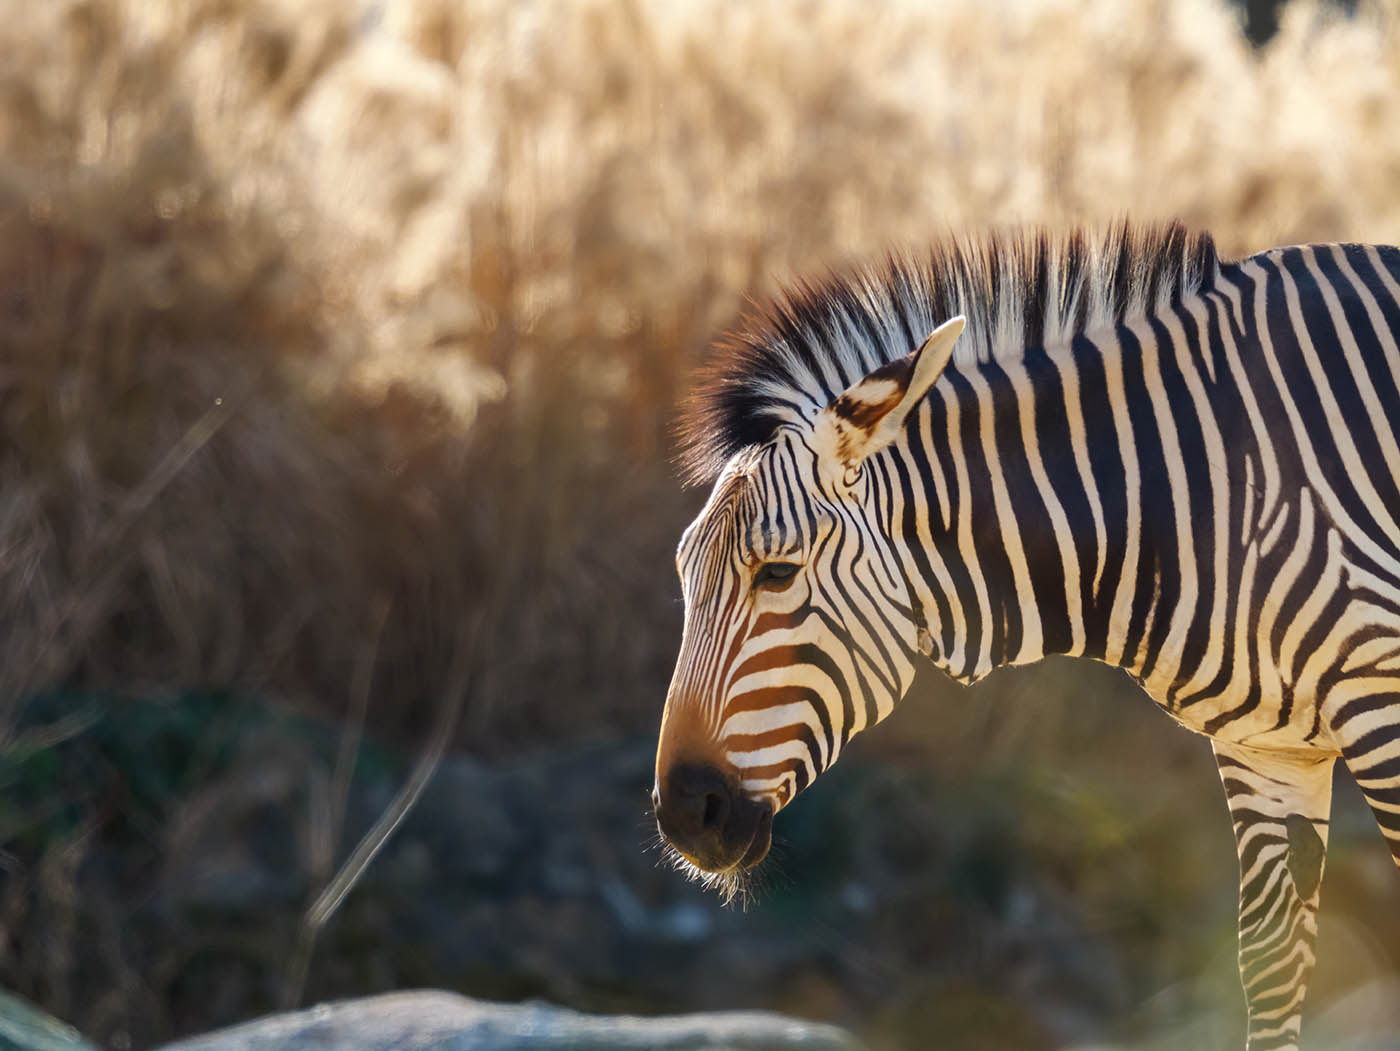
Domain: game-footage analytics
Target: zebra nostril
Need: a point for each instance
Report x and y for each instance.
(693, 805)
(716, 810)
(696, 796)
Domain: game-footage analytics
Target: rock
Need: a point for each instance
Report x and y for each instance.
(447, 1022)
(534, 880)
(24, 1028)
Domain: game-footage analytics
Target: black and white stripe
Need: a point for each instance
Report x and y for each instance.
(1137, 453)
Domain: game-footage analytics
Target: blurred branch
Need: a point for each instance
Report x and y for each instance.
(355, 721)
(327, 804)
(41, 738)
(333, 896)
(104, 563)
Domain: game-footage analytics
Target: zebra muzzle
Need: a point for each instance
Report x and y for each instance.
(710, 820)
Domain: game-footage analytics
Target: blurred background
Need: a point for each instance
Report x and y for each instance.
(340, 345)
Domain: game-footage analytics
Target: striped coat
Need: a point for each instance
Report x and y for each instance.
(1121, 448)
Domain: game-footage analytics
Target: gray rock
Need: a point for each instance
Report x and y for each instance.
(24, 1028)
(416, 1021)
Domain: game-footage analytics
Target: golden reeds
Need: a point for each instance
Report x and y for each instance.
(361, 223)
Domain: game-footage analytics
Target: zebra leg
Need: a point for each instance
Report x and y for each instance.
(1279, 804)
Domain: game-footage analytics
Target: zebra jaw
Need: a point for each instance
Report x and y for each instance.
(735, 883)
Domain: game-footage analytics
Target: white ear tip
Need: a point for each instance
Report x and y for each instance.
(947, 333)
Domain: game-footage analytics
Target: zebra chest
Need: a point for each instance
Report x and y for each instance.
(1258, 700)
(1281, 721)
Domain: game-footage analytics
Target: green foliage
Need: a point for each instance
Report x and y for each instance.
(77, 761)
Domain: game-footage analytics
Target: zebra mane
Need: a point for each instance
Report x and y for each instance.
(1019, 289)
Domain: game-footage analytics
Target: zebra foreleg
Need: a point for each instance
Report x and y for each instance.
(1279, 804)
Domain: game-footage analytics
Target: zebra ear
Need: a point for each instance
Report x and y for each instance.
(871, 412)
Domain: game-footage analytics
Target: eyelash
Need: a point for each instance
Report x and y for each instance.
(775, 576)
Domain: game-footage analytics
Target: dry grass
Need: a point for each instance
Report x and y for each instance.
(312, 310)
(359, 225)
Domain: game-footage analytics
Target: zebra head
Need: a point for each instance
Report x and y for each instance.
(800, 625)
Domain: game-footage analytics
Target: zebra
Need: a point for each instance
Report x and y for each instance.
(1113, 445)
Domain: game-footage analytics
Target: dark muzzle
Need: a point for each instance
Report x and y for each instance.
(709, 819)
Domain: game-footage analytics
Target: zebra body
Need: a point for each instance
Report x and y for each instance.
(1130, 451)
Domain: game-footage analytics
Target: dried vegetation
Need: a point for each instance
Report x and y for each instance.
(356, 225)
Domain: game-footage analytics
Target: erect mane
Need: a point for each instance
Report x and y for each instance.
(1019, 289)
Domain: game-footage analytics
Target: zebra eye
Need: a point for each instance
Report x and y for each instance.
(775, 576)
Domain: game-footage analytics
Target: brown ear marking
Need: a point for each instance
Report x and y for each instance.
(866, 415)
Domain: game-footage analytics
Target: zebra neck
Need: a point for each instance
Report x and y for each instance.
(1036, 532)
